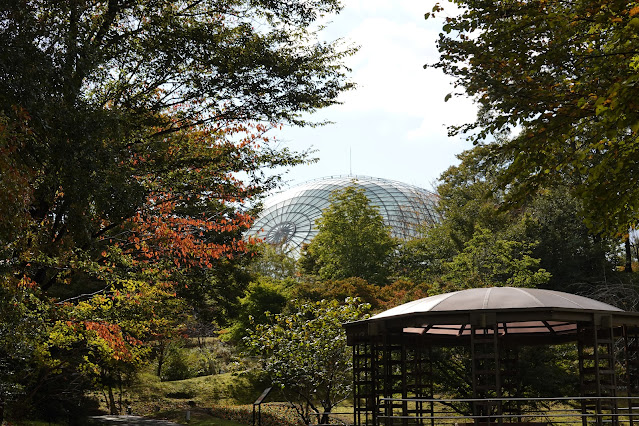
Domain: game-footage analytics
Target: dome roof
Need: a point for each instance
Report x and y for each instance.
(289, 217)
(496, 298)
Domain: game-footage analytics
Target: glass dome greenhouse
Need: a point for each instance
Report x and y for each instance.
(289, 217)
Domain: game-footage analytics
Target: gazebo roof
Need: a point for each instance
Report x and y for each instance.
(497, 298)
(517, 313)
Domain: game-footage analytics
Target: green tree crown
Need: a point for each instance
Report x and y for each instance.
(352, 240)
(304, 353)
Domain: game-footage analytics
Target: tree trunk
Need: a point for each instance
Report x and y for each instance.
(161, 349)
(112, 407)
(121, 392)
(628, 266)
(326, 418)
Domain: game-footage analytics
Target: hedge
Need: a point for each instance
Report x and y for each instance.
(272, 415)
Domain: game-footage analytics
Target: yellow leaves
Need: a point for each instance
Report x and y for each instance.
(63, 334)
(634, 11)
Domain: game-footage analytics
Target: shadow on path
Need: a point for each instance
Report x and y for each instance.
(129, 420)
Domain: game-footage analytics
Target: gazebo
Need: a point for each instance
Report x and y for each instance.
(393, 355)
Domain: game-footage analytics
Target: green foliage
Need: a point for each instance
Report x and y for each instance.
(261, 299)
(566, 247)
(469, 196)
(352, 241)
(488, 261)
(186, 358)
(15, 192)
(467, 199)
(23, 328)
(273, 261)
(564, 74)
(177, 368)
(304, 353)
(481, 241)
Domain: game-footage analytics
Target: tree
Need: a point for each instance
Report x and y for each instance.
(567, 248)
(132, 133)
(264, 297)
(479, 233)
(140, 116)
(274, 261)
(563, 74)
(489, 261)
(304, 353)
(352, 240)
(21, 340)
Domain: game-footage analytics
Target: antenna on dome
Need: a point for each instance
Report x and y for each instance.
(350, 161)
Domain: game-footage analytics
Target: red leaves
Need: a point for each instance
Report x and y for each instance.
(27, 283)
(111, 335)
(160, 233)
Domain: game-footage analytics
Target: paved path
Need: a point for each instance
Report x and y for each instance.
(129, 420)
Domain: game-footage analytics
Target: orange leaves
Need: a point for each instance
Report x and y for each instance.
(191, 213)
(27, 283)
(159, 232)
(111, 336)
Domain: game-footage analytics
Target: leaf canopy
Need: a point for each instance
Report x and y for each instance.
(562, 77)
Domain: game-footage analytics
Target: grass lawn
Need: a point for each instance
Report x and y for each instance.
(170, 400)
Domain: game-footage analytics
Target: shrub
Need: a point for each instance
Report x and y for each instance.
(177, 367)
(188, 362)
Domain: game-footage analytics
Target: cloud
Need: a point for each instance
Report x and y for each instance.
(390, 75)
(394, 124)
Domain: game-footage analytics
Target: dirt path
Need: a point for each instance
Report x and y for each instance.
(129, 420)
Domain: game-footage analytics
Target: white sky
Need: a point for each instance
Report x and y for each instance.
(394, 124)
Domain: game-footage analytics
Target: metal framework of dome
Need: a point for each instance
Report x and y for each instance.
(288, 218)
(394, 354)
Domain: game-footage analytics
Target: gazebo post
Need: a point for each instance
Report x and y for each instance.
(631, 352)
(597, 367)
(628, 378)
(582, 380)
(485, 356)
(394, 368)
(432, 385)
(403, 381)
(363, 382)
(418, 379)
